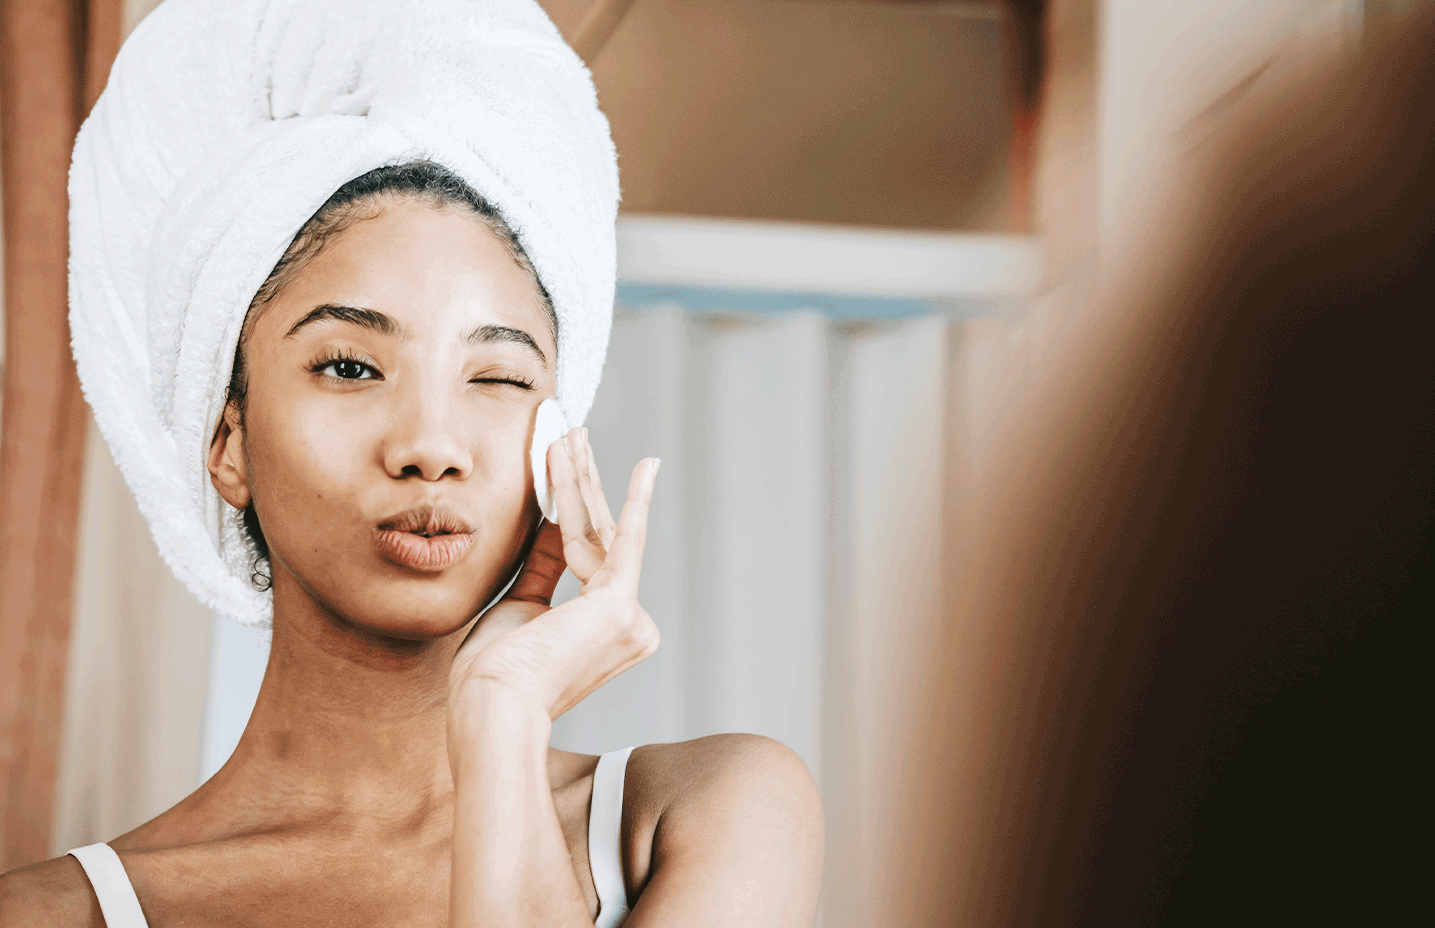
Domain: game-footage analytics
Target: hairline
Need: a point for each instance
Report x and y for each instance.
(347, 215)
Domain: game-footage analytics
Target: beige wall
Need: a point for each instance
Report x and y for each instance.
(136, 10)
(1171, 72)
(884, 114)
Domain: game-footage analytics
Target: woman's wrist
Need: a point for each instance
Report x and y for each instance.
(483, 710)
(511, 863)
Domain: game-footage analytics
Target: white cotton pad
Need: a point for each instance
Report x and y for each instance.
(548, 427)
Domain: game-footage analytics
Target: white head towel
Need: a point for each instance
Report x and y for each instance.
(224, 126)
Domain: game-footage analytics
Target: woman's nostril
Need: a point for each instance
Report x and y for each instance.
(423, 471)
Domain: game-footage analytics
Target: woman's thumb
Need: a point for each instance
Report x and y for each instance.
(541, 571)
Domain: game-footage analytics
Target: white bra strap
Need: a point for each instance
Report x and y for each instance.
(605, 838)
(118, 902)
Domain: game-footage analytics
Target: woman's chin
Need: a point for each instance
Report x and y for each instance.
(406, 630)
(421, 611)
(429, 614)
(380, 598)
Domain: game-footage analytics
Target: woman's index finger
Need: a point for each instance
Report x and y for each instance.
(602, 515)
(625, 558)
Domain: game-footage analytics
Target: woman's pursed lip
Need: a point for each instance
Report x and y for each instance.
(416, 552)
(427, 519)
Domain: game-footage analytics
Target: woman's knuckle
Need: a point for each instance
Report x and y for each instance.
(648, 640)
(640, 632)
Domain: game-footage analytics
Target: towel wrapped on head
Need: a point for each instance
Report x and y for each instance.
(224, 126)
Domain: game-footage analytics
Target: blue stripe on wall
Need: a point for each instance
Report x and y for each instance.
(704, 299)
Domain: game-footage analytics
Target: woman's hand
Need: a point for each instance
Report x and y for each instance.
(523, 665)
(552, 658)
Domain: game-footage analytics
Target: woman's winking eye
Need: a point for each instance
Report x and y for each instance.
(510, 379)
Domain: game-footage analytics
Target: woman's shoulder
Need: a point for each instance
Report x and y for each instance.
(712, 801)
(51, 894)
(726, 769)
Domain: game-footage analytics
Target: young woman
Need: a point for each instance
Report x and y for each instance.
(373, 443)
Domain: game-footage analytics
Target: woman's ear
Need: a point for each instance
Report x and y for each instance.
(226, 459)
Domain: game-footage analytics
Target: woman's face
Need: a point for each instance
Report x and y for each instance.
(392, 390)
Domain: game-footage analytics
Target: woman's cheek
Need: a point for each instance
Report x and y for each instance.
(306, 461)
(509, 506)
(335, 435)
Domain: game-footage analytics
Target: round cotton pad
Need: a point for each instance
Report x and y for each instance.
(548, 427)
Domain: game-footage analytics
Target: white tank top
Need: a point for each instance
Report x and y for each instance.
(121, 907)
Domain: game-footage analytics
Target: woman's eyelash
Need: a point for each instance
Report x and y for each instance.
(346, 367)
(514, 380)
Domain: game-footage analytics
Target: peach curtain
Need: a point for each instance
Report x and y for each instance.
(54, 57)
(135, 688)
(138, 661)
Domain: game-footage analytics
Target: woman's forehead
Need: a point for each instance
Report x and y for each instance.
(433, 270)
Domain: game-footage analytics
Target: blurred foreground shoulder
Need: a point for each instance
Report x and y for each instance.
(51, 894)
(740, 831)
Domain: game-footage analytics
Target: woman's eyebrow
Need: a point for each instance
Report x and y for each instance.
(367, 318)
(386, 325)
(503, 333)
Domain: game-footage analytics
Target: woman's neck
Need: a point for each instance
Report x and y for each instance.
(349, 726)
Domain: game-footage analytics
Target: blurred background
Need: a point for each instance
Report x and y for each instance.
(844, 236)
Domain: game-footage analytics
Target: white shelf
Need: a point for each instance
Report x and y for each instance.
(811, 258)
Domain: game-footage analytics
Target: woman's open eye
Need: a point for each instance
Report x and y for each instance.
(346, 369)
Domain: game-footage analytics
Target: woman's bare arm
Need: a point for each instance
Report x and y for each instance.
(740, 843)
(52, 894)
(510, 859)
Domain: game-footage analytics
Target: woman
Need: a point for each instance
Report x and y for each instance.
(368, 434)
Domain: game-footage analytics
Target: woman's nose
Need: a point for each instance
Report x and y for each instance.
(428, 442)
